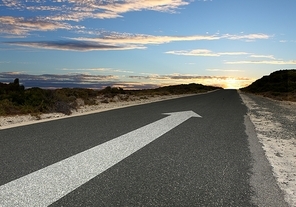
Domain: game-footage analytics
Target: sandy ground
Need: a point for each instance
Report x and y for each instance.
(275, 125)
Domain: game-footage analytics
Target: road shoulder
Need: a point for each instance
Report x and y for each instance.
(274, 130)
(266, 190)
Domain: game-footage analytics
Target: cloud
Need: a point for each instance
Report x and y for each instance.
(73, 81)
(224, 70)
(233, 53)
(114, 38)
(203, 52)
(247, 37)
(58, 77)
(61, 14)
(107, 40)
(21, 26)
(71, 45)
(197, 52)
(181, 77)
(79, 80)
(77, 10)
(264, 59)
(127, 38)
(173, 79)
(110, 41)
(59, 80)
(16, 4)
(114, 9)
(263, 56)
(271, 62)
(98, 70)
(119, 7)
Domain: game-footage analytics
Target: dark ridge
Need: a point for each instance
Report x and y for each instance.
(279, 85)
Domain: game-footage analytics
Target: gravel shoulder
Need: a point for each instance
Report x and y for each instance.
(274, 123)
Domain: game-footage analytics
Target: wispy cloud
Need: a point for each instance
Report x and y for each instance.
(97, 70)
(197, 52)
(58, 14)
(126, 41)
(203, 52)
(58, 77)
(59, 80)
(263, 56)
(72, 45)
(73, 80)
(77, 10)
(224, 70)
(138, 5)
(20, 26)
(113, 9)
(263, 59)
(208, 53)
(64, 14)
(182, 77)
(127, 38)
(114, 38)
(16, 4)
(250, 37)
(233, 53)
(269, 62)
(110, 41)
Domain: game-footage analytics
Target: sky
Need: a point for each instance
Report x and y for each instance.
(137, 44)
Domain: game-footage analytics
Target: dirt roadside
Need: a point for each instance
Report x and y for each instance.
(274, 123)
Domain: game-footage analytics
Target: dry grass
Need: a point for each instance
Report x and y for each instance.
(290, 96)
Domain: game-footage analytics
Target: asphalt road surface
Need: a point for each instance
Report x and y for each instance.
(140, 156)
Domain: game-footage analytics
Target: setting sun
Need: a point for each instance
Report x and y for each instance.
(232, 83)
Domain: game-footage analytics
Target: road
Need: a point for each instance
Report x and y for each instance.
(203, 160)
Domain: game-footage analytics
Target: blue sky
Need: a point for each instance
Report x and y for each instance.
(145, 43)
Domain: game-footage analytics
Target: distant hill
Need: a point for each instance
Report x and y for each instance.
(15, 99)
(179, 89)
(280, 85)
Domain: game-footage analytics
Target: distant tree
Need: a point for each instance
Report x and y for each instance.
(16, 82)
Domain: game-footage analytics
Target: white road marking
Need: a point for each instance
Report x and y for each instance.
(47, 185)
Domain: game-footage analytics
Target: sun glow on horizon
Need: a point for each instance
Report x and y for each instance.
(234, 83)
(223, 82)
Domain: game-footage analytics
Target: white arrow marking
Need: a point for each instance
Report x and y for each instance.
(47, 185)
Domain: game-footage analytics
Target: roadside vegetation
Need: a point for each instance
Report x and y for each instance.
(279, 85)
(16, 100)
